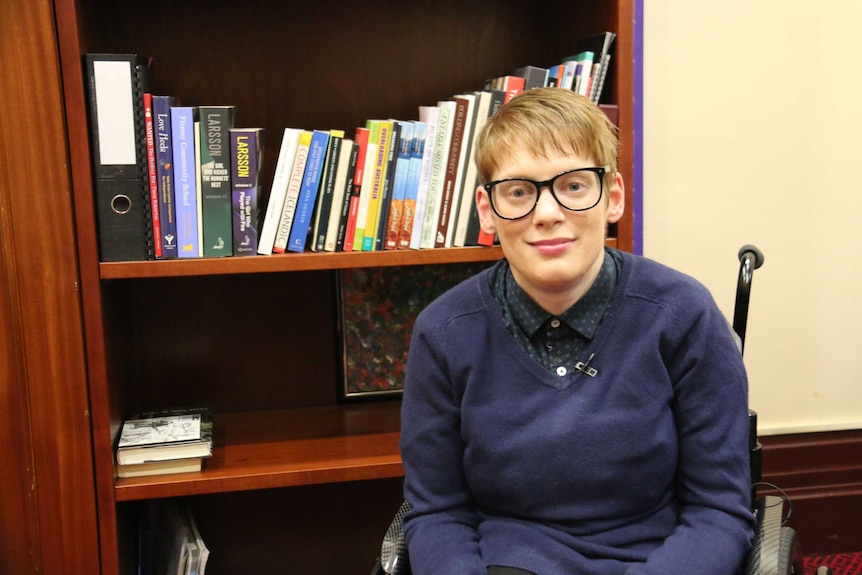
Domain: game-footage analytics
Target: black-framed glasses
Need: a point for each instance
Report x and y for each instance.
(575, 190)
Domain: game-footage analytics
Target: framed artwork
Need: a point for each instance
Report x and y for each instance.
(376, 311)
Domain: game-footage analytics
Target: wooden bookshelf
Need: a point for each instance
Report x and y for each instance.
(255, 337)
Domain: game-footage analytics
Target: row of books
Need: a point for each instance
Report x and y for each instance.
(585, 72)
(171, 181)
(165, 441)
(203, 180)
(395, 184)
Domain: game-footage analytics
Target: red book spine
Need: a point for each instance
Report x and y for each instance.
(152, 178)
(361, 142)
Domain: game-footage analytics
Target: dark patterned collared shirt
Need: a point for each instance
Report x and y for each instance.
(557, 342)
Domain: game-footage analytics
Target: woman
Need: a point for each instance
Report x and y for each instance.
(574, 409)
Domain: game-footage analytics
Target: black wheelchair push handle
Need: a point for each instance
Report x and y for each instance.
(750, 258)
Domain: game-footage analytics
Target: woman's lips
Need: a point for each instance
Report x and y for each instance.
(552, 246)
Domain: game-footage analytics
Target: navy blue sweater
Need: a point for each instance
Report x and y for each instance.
(641, 469)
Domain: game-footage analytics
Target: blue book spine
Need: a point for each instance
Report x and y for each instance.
(308, 192)
(383, 208)
(411, 186)
(185, 180)
(165, 174)
(396, 204)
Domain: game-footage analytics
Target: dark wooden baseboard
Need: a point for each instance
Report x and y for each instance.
(821, 473)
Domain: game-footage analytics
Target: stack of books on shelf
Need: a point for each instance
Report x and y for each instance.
(167, 441)
(389, 184)
(169, 542)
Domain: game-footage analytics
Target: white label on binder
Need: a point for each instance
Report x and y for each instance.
(115, 112)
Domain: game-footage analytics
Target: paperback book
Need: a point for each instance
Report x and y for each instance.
(185, 180)
(246, 155)
(165, 435)
(187, 465)
(165, 174)
(215, 177)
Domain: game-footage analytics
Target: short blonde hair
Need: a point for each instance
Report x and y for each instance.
(543, 120)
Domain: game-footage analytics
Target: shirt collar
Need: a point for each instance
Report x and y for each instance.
(584, 316)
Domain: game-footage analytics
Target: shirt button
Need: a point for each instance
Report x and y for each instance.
(561, 371)
(555, 322)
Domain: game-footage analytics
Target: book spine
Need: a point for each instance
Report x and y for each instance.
(361, 138)
(347, 227)
(371, 151)
(275, 205)
(430, 116)
(534, 76)
(215, 192)
(292, 196)
(411, 192)
(438, 173)
(197, 137)
(378, 174)
(246, 157)
(308, 193)
(450, 178)
(165, 174)
(513, 85)
(340, 197)
(385, 205)
(470, 180)
(185, 178)
(498, 98)
(327, 191)
(603, 74)
(402, 169)
(582, 81)
(141, 87)
(568, 82)
(152, 177)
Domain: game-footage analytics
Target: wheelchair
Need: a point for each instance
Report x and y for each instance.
(775, 550)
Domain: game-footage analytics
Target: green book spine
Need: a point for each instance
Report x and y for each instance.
(215, 125)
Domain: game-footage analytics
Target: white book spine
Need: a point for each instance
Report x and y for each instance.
(430, 116)
(283, 167)
(438, 167)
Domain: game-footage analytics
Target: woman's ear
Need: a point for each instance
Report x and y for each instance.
(486, 215)
(616, 199)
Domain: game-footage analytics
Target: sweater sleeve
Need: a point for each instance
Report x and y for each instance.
(440, 531)
(716, 525)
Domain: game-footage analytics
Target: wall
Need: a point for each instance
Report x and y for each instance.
(751, 136)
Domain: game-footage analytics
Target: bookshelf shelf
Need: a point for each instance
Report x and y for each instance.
(256, 338)
(284, 448)
(307, 261)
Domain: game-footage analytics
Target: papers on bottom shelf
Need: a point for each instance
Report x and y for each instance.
(169, 540)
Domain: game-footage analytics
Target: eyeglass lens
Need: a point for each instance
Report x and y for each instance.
(575, 190)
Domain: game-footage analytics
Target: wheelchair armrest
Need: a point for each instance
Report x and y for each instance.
(393, 552)
(775, 550)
